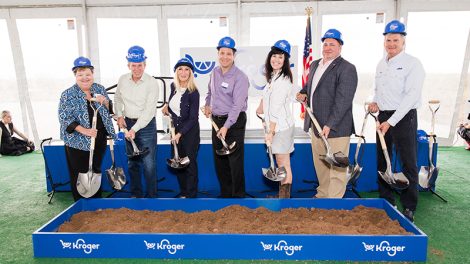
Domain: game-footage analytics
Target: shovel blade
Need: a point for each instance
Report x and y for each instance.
(95, 184)
(178, 164)
(341, 159)
(386, 177)
(116, 178)
(423, 177)
(400, 181)
(227, 150)
(355, 174)
(281, 173)
(185, 161)
(83, 184)
(270, 174)
(138, 153)
(433, 177)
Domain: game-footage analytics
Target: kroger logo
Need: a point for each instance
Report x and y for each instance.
(165, 244)
(201, 67)
(384, 246)
(134, 55)
(80, 244)
(281, 246)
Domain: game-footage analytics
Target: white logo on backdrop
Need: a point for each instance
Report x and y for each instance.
(281, 246)
(384, 246)
(80, 244)
(165, 244)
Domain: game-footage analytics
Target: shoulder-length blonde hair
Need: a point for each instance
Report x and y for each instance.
(191, 84)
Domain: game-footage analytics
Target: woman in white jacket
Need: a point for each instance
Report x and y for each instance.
(276, 105)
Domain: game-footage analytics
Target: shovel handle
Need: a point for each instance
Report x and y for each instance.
(434, 101)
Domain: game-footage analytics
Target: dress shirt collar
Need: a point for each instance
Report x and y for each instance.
(394, 58)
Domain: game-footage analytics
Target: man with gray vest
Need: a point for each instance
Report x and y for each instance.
(136, 105)
(398, 85)
(329, 92)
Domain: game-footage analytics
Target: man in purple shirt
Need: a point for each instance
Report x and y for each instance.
(226, 101)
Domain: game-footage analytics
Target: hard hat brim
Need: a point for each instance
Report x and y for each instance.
(89, 67)
(401, 33)
(183, 64)
(283, 51)
(339, 40)
(219, 47)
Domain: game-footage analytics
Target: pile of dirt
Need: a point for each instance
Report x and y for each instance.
(236, 219)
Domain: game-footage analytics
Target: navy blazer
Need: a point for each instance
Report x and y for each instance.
(189, 111)
(333, 97)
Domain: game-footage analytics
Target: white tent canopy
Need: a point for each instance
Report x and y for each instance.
(40, 39)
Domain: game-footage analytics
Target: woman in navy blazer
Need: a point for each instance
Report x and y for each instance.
(183, 106)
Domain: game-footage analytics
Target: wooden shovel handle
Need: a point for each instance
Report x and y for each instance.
(434, 101)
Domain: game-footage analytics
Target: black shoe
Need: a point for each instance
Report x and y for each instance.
(409, 214)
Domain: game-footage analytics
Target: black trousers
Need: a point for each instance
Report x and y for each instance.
(77, 161)
(403, 137)
(230, 169)
(188, 177)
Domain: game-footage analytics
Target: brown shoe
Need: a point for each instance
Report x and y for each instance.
(284, 190)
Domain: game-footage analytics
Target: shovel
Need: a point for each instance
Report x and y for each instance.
(354, 170)
(135, 150)
(395, 180)
(89, 183)
(272, 173)
(115, 175)
(429, 173)
(176, 162)
(226, 149)
(337, 159)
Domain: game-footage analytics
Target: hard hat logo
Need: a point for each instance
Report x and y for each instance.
(395, 27)
(282, 45)
(227, 42)
(82, 62)
(334, 34)
(136, 54)
(184, 62)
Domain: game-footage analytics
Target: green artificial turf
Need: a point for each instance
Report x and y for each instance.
(24, 208)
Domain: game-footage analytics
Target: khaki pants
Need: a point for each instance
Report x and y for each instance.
(331, 179)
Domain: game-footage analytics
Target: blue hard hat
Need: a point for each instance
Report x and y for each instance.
(184, 62)
(227, 42)
(82, 62)
(282, 45)
(334, 34)
(136, 54)
(395, 27)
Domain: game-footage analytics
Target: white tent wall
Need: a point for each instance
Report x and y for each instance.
(32, 94)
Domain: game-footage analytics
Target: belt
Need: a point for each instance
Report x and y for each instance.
(132, 119)
(387, 111)
(220, 116)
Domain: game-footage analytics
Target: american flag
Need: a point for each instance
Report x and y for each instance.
(307, 59)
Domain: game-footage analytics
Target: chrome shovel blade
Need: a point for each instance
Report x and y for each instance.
(281, 173)
(423, 177)
(400, 181)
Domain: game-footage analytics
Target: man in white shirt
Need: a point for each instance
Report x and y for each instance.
(329, 92)
(398, 84)
(135, 106)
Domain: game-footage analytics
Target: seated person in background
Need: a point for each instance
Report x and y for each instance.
(10, 145)
(464, 132)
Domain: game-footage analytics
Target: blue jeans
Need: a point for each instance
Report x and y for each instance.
(145, 138)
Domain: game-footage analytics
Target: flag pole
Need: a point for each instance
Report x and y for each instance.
(307, 56)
